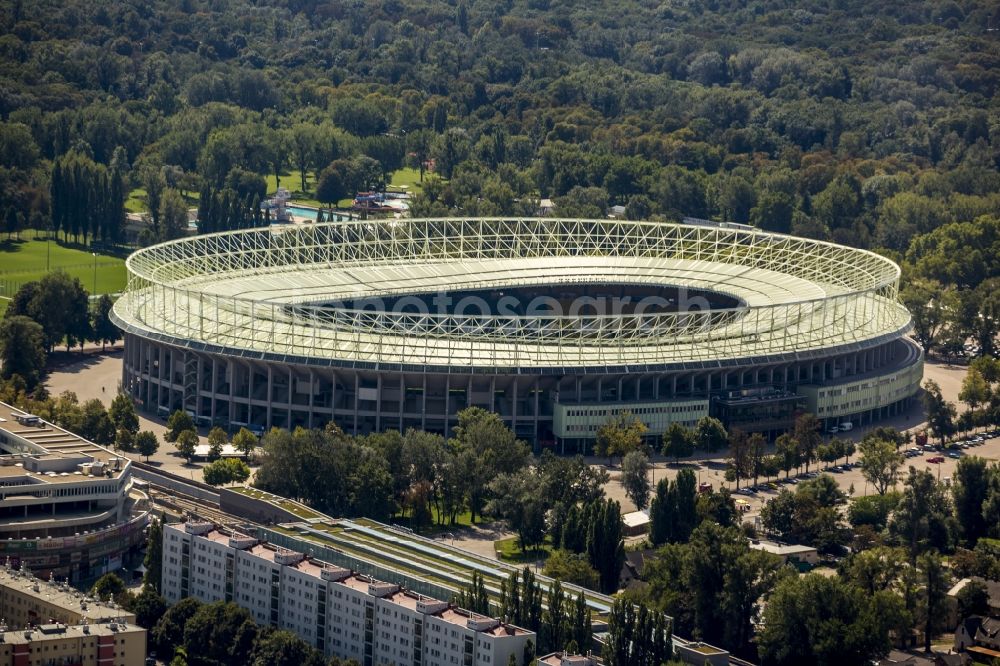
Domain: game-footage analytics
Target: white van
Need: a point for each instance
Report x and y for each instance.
(846, 426)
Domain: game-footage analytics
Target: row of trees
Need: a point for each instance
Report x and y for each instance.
(867, 608)
(424, 478)
(854, 138)
(951, 288)
(227, 210)
(88, 199)
(712, 585)
(980, 393)
(420, 476)
(637, 635)
(706, 577)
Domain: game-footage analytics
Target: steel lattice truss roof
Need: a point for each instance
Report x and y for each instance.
(272, 293)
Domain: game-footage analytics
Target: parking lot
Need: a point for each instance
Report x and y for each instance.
(848, 475)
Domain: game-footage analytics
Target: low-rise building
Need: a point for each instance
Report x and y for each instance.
(789, 553)
(565, 659)
(992, 595)
(696, 652)
(338, 611)
(902, 658)
(635, 523)
(979, 636)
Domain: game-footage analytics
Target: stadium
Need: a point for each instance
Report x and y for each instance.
(554, 324)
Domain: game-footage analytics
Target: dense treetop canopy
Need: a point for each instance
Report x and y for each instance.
(817, 119)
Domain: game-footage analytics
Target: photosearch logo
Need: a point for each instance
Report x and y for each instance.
(521, 310)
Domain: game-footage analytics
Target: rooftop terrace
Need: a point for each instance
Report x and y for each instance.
(41, 453)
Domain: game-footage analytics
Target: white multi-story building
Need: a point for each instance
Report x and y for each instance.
(340, 612)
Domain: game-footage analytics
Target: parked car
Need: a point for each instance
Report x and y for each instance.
(935, 459)
(955, 454)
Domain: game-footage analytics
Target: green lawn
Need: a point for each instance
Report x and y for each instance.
(509, 550)
(136, 202)
(409, 177)
(26, 260)
(462, 521)
(293, 183)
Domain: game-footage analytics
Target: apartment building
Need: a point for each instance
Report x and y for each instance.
(27, 601)
(340, 612)
(46, 623)
(73, 645)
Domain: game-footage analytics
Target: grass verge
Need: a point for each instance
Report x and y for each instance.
(509, 550)
(26, 260)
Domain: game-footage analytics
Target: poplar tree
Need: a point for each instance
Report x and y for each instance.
(583, 629)
(605, 543)
(555, 627)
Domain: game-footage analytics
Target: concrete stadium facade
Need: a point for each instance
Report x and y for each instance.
(553, 324)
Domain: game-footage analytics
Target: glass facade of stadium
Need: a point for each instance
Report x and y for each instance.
(263, 328)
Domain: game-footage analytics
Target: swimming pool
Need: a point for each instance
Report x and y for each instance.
(311, 213)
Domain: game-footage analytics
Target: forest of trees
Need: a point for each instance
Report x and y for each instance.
(815, 120)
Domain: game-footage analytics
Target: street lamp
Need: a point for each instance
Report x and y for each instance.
(95, 273)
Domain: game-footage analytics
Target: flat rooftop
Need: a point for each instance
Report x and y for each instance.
(62, 596)
(781, 548)
(433, 562)
(53, 632)
(45, 453)
(361, 583)
(636, 518)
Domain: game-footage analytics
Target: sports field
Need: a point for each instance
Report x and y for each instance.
(26, 260)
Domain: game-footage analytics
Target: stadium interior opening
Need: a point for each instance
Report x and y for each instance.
(563, 298)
